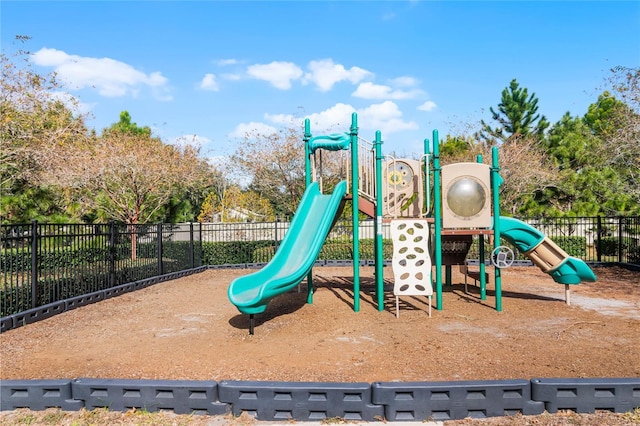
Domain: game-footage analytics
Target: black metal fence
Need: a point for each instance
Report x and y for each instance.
(46, 263)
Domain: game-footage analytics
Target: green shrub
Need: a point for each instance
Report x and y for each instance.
(608, 246)
(231, 252)
(574, 246)
(64, 257)
(336, 250)
(263, 254)
(75, 282)
(367, 249)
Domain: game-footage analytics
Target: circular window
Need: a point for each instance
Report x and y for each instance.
(466, 197)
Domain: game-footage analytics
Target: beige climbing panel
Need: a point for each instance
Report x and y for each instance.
(411, 261)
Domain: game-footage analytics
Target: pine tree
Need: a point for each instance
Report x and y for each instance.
(517, 116)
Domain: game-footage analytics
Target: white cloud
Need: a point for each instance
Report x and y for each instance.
(385, 117)
(279, 74)
(334, 119)
(229, 76)
(404, 81)
(428, 106)
(226, 62)
(209, 83)
(110, 77)
(325, 74)
(370, 90)
(251, 129)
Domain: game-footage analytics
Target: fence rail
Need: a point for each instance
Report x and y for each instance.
(45, 263)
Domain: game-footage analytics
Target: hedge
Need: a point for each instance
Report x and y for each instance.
(52, 288)
(231, 252)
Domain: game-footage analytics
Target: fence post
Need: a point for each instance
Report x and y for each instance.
(201, 246)
(112, 254)
(192, 251)
(34, 264)
(275, 235)
(599, 239)
(159, 248)
(620, 239)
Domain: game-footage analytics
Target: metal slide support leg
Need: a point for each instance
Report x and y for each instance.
(251, 324)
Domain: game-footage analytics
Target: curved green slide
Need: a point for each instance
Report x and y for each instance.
(296, 254)
(525, 237)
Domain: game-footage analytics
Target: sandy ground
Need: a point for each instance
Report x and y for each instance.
(187, 329)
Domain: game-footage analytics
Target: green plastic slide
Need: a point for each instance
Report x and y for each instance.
(525, 237)
(296, 254)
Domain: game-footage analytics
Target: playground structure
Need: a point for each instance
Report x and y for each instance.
(465, 204)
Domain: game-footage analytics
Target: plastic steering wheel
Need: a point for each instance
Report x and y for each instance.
(502, 257)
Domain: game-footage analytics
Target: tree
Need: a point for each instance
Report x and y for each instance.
(517, 116)
(35, 118)
(593, 178)
(275, 164)
(621, 134)
(235, 205)
(587, 185)
(524, 166)
(526, 170)
(128, 177)
(455, 149)
(126, 126)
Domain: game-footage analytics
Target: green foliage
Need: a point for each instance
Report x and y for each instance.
(574, 246)
(331, 250)
(634, 255)
(589, 183)
(263, 254)
(601, 116)
(608, 246)
(336, 250)
(62, 258)
(343, 249)
(124, 125)
(457, 149)
(611, 246)
(517, 115)
(367, 249)
(231, 252)
(73, 282)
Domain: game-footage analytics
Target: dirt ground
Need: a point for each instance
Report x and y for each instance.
(187, 329)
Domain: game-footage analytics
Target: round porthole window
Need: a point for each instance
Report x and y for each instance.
(466, 197)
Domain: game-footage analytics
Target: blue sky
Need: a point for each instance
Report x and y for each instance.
(218, 69)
